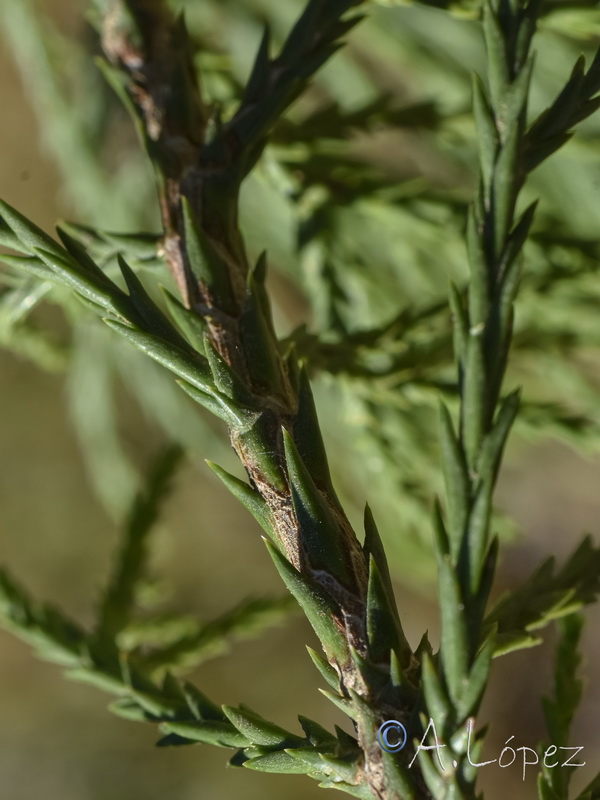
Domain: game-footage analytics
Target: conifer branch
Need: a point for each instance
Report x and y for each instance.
(219, 340)
(496, 233)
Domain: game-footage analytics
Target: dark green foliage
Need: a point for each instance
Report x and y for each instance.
(373, 250)
(319, 610)
(323, 541)
(275, 83)
(206, 265)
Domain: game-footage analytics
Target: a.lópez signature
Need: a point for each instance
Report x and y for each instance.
(393, 736)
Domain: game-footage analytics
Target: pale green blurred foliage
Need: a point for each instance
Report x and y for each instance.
(356, 225)
(388, 193)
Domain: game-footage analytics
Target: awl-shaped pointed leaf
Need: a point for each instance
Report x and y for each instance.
(280, 762)
(208, 267)
(373, 546)
(311, 760)
(514, 245)
(192, 368)
(339, 769)
(260, 343)
(340, 702)
(29, 234)
(559, 116)
(498, 61)
(326, 670)
(236, 416)
(478, 531)
(225, 378)
(506, 187)
(319, 529)
(104, 245)
(454, 642)
(258, 82)
(258, 730)
(398, 778)
(480, 283)
(81, 256)
(258, 440)
(221, 734)
(437, 702)
(475, 396)
(320, 610)
(441, 540)
(259, 275)
(32, 265)
(153, 319)
(493, 446)
(192, 325)
(460, 326)
(383, 632)
(477, 681)
(200, 705)
(456, 477)
(249, 498)
(307, 434)
(514, 105)
(127, 708)
(487, 135)
(486, 581)
(315, 733)
(108, 296)
(8, 238)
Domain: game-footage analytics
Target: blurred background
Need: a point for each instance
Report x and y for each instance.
(359, 202)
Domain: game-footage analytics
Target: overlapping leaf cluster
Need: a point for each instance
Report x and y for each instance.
(316, 182)
(509, 148)
(221, 344)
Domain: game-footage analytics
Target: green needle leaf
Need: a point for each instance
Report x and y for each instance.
(457, 482)
(477, 681)
(319, 609)
(280, 762)
(383, 631)
(207, 266)
(29, 234)
(221, 734)
(454, 641)
(258, 731)
(191, 324)
(438, 703)
(326, 670)
(321, 535)
(192, 368)
(249, 498)
(487, 135)
(307, 435)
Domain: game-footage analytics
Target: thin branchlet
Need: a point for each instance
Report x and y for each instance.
(225, 353)
(199, 173)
